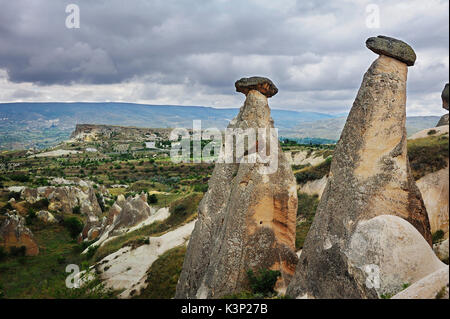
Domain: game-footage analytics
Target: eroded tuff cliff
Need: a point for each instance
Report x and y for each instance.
(370, 176)
(246, 220)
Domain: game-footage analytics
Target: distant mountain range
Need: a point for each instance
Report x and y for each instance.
(40, 125)
(331, 128)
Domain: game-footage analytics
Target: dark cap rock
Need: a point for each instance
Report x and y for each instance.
(261, 84)
(394, 48)
(444, 97)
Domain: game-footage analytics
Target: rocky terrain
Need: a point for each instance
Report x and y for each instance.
(365, 218)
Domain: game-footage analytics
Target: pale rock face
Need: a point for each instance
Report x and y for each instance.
(441, 250)
(127, 268)
(315, 187)
(395, 247)
(434, 188)
(124, 216)
(302, 158)
(441, 130)
(428, 287)
(65, 198)
(370, 176)
(246, 221)
(14, 233)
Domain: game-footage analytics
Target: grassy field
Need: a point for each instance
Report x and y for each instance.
(162, 277)
(44, 276)
(428, 155)
(307, 206)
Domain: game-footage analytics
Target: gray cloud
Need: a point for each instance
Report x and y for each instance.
(313, 50)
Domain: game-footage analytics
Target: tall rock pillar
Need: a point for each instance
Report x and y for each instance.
(246, 220)
(369, 177)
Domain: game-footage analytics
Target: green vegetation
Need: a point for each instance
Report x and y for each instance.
(74, 226)
(263, 282)
(437, 236)
(314, 172)
(441, 294)
(162, 277)
(152, 199)
(307, 206)
(44, 276)
(428, 155)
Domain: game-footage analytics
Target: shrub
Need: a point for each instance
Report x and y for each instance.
(74, 226)
(438, 235)
(17, 251)
(31, 217)
(15, 195)
(264, 282)
(180, 210)
(76, 210)
(42, 182)
(100, 201)
(202, 188)
(6, 208)
(41, 204)
(61, 259)
(19, 178)
(431, 132)
(3, 253)
(152, 199)
(314, 172)
(91, 251)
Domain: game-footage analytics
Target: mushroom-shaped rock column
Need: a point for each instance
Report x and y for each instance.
(370, 176)
(246, 220)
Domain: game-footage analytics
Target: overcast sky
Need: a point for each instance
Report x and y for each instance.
(191, 52)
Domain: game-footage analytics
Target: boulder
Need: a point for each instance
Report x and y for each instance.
(260, 84)
(370, 176)
(14, 233)
(395, 249)
(441, 250)
(433, 286)
(443, 121)
(246, 220)
(391, 47)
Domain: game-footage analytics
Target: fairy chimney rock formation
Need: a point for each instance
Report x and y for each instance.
(246, 220)
(444, 96)
(369, 177)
